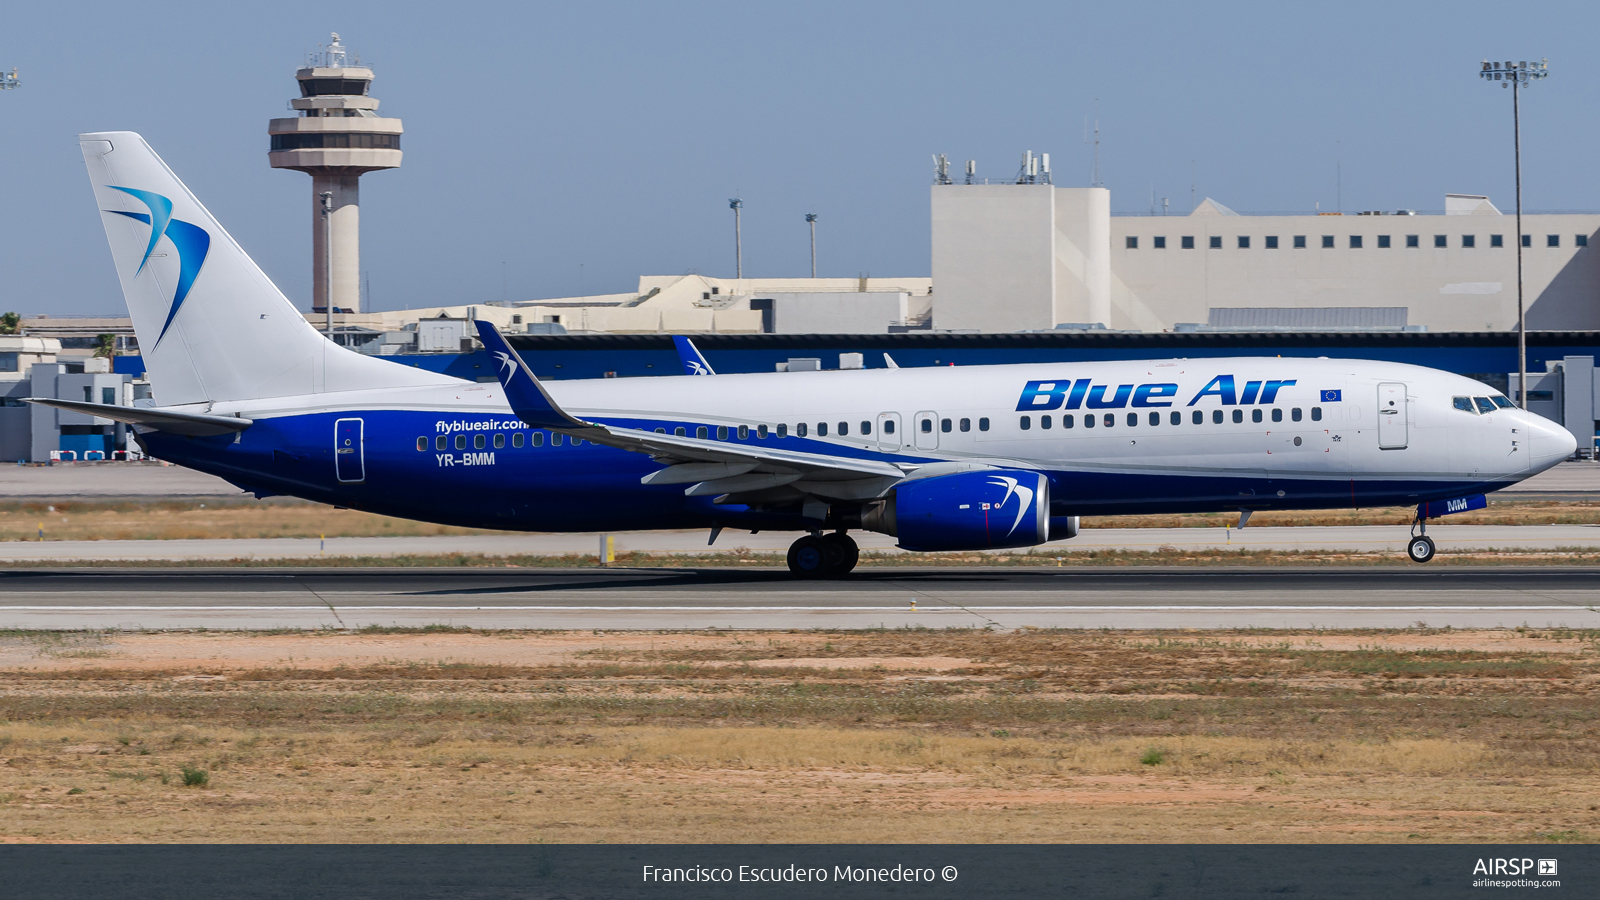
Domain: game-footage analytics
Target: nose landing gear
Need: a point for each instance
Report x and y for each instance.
(1420, 547)
(823, 556)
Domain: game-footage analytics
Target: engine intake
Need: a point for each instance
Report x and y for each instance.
(966, 511)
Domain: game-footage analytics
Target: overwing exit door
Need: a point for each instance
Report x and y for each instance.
(349, 447)
(1393, 413)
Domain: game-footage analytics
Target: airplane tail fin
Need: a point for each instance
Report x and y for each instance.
(694, 362)
(212, 327)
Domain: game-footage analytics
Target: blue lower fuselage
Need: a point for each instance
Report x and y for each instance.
(537, 484)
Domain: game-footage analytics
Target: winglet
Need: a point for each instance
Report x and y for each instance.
(694, 362)
(527, 396)
(889, 361)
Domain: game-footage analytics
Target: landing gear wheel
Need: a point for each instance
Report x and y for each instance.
(1420, 548)
(809, 557)
(844, 551)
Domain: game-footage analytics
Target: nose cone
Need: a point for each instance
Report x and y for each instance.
(1548, 442)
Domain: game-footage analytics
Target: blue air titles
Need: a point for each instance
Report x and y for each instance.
(1042, 396)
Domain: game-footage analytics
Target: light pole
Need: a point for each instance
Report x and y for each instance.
(811, 219)
(738, 248)
(1514, 75)
(327, 259)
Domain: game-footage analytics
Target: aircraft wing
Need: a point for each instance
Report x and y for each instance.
(731, 472)
(152, 419)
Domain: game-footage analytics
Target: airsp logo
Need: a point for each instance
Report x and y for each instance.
(1500, 866)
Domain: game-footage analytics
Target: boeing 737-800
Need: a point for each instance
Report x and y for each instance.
(952, 458)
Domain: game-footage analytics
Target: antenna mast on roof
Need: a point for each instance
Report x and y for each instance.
(1095, 181)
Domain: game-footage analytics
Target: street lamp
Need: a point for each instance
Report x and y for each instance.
(327, 258)
(738, 248)
(811, 219)
(1515, 75)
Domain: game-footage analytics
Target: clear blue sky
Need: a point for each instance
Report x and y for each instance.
(585, 144)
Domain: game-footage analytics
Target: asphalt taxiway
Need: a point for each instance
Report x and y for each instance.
(667, 598)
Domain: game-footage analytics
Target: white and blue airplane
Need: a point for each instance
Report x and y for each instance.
(944, 459)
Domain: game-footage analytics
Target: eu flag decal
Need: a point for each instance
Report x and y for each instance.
(1331, 396)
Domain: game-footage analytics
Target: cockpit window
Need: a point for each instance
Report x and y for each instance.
(1464, 404)
(1502, 402)
(1485, 405)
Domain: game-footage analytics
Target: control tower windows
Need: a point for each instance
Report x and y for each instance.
(324, 87)
(318, 141)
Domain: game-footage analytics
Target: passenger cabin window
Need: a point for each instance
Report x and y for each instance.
(1111, 419)
(801, 430)
(783, 431)
(1295, 414)
(926, 425)
(538, 439)
(1485, 405)
(1198, 417)
(1044, 422)
(1255, 415)
(1238, 416)
(844, 429)
(499, 441)
(1464, 404)
(440, 442)
(888, 425)
(945, 425)
(1277, 415)
(866, 427)
(1066, 421)
(983, 425)
(680, 431)
(557, 438)
(516, 440)
(1155, 418)
(822, 429)
(761, 432)
(422, 444)
(1177, 417)
(1025, 423)
(722, 432)
(744, 432)
(700, 432)
(461, 442)
(1316, 414)
(1216, 416)
(966, 425)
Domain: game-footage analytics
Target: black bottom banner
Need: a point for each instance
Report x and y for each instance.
(672, 871)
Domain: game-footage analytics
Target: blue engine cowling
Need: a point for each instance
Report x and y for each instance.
(967, 511)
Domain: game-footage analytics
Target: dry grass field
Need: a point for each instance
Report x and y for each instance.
(960, 736)
(77, 520)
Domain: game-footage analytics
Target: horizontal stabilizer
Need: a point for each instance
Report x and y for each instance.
(146, 419)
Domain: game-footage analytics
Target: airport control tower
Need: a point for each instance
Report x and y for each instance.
(337, 137)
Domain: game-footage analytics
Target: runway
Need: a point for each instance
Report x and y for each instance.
(651, 599)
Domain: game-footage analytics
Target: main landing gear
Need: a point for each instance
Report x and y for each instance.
(1420, 547)
(823, 556)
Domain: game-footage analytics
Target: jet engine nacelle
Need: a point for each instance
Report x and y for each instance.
(966, 511)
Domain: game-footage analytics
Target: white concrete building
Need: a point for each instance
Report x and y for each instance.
(1021, 257)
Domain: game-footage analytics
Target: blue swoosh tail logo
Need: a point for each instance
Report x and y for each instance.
(192, 242)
